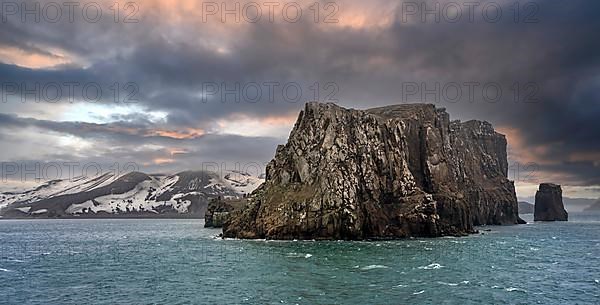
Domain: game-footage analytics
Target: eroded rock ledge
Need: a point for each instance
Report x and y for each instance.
(390, 172)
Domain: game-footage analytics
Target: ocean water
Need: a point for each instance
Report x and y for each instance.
(159, 261)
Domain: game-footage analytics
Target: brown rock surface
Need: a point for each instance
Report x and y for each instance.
(218, 210)
(389, 172)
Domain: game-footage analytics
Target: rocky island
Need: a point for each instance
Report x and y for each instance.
(549, 204)
(390, 172)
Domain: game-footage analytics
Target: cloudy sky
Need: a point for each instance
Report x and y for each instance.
(174, 85)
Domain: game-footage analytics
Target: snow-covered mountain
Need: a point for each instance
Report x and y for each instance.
(133, 194)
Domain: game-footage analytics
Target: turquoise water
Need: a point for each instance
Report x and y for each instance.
(179, 262)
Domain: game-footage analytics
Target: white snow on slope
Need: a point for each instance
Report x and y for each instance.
(141, 198)
(241, 182)
(56, 188)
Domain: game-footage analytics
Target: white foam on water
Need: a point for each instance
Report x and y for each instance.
(510, 289)
(432, 266)
(5, 270)
(418, 292)
(370, 267)
(295, 254)
(447, 284)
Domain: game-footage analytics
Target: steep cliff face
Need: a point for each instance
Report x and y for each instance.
(389, 172)
(219, 209)
(548, 203)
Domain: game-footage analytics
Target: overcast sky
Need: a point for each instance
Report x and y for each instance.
(181, 88)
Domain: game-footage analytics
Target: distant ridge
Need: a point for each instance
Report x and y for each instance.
(594, 207)
(526, 207)
(133, 194)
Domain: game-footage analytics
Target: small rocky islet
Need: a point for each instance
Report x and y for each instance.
(549, 204)
(391, 172)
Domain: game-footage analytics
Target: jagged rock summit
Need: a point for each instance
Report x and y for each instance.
(549, 204)
(389, 172)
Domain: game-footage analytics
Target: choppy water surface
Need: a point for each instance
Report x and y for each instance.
(179, 262)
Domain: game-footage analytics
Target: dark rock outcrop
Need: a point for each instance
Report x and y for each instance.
(219, 209)
(548, 203)
(216, 213)
(525, 207)
(390, 172)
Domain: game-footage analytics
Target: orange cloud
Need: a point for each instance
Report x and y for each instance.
(349, 14)
(519, 150)
(241, 124)
(586, 156)
(287, 119)
(161, 161)
(32, 60)
(177, 151)
(188, 133)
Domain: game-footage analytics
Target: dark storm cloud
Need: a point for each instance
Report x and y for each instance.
(122, 143)
(558, 55)
(119, 132)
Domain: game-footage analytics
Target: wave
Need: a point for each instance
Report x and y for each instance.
(510, 289)
(370, 267)
(432, 266)
(447, 284)
(294, 254)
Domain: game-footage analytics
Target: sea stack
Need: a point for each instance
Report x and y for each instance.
(216, 213)
(390, 172)
(548, 203)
